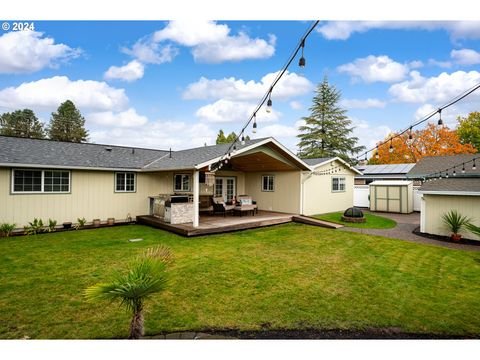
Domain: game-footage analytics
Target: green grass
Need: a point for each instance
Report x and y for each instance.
(373, 221)
(290, 276)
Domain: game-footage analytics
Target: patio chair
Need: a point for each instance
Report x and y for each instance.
(219, 206)
(245, 202)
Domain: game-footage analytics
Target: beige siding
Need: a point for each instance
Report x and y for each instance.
(318, 197)
(284, 198)
(92, 196)
(437, 205)
(240, 180)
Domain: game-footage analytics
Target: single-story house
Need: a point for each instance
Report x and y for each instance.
(459, 192)
(371, 173)
(65, 181)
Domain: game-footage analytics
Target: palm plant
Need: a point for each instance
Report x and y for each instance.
(146, 276)
(473, 229)
(455, 221)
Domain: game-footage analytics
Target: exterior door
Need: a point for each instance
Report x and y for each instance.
(225, 187)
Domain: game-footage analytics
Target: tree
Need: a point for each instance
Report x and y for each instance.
(469, 129)
(21, 123)
(67, 124)
(222, 139)
(432, 141)
(327, 130)
(146, 276)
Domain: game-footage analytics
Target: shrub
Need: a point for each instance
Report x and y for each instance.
(6, 229)
(33, 227)
(473, 229)
(51, 225)
(80, 223)
(454, 221)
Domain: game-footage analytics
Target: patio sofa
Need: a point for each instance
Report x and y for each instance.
(219, 206)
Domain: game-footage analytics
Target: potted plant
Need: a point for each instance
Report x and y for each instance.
(454, 221)
(80, 223)
(111, 221)
(6, 229)
(96, 222)
(67, 225)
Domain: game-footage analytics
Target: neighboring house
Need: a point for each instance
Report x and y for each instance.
(460, 192)
(65, 181)
(371, 173)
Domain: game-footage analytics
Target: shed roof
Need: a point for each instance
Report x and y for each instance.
(452, 186)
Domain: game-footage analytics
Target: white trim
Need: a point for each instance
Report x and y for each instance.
(423, 215)
(189, 182)
(196, 193)
(273, 182)
(313, 167)
(450, 192)
(344, 184)
(42, 185)
(125, 182)
(253, 146)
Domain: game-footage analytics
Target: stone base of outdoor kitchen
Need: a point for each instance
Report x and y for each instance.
(210, 224)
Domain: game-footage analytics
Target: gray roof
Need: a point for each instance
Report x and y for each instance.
(67, 154)
(432, 164)
(385, 169)
(316, 161)
(452, 185)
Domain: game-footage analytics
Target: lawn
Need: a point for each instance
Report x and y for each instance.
(290, 276)
(372, 222)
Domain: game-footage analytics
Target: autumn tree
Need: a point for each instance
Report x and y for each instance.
(21, 123)
(431, 141)
(67, 124)
(327, 131)
(469, 129)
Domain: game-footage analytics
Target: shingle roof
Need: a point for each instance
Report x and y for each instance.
(452, 185)
(316, 161)
(66, 154)
(385, 169)
(432, 164)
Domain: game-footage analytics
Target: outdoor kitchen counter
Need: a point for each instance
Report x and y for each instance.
(179, 213)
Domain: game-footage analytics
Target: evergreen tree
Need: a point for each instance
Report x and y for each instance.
(231, 137)
(327, 131)
(222, 139)
(21, 123)
(67, 124)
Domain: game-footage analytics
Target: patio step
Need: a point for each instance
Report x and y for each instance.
(315, 222)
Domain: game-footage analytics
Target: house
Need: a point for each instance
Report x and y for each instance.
(460, 191)
(65, 181)
(371, 173)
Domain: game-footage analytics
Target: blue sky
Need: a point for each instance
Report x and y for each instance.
(175, 84)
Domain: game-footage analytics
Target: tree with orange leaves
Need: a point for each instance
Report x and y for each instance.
(413, 145)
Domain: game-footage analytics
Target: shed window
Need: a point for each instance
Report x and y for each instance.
(182, 182)
(268, 182)
(125, 182)
(41, 181)
(338, 184)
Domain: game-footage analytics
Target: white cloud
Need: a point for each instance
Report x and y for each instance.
(375, 68)
(129, 72)
(209, 41)
(465, 56)
(223, 111)
(367, 134)
(342, 30)
(363, 103)
(160, 134)
(125, 119)
(438, 89)
(47, 94)
(296, 105)
(29, 51)
(148, 51)
(290, 85)
(441, 64)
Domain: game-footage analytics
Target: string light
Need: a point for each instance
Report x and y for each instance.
(254, 129)
(454, 171)
(269, 102)
(440, 121)
(301, 62)
(474, 167)
(391, 147)
(410, 137)
(463, 168)
(243, 139)
(377, 155)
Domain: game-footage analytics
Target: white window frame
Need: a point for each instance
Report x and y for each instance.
(125, 182)
(42, 186)
(189, 176)
(273, 183)
(341, 181)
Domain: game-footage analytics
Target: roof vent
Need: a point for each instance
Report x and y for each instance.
(133, 151)
(108, 149)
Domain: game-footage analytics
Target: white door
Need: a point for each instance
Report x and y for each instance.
(360, 196)
(225, 187)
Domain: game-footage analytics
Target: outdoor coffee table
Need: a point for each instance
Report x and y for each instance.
(244, 209)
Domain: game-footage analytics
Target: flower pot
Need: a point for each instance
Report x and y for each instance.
(456, 237)
(111, 221)
(96, 222)
(67, 225)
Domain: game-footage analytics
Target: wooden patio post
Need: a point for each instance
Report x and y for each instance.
(196, 191)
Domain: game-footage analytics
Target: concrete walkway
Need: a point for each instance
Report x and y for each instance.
(406, 224)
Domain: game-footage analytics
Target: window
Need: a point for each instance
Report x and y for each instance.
(338, 184)
(125, 182)
(182, 182)
(268, 183)
(40, 181)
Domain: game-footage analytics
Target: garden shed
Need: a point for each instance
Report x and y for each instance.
(391, 196)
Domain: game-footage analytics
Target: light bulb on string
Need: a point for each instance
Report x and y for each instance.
(269, 102)
(440, 121)
(391, 147)
(243, 139)
(474, 167)
(463, 168)
(301, 62)
(254, 128)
